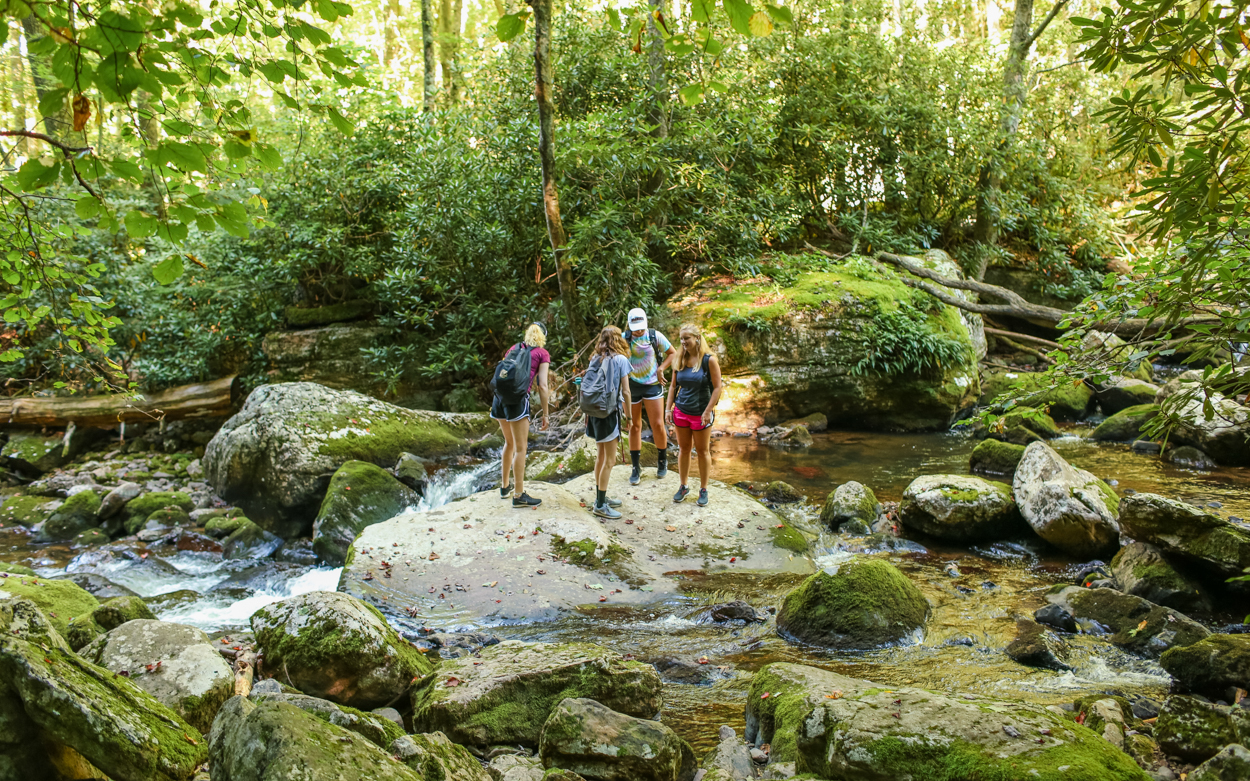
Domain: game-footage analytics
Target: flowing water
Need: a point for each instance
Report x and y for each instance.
(975, 601)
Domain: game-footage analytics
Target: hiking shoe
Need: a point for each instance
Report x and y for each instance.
(610, 502)
(604, 511)
(702, 500)
(681, 494)
(525, 500)
(662, 469)
(504, 490)
(635, 477)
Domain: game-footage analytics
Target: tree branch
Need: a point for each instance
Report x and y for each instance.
(69, 151)
(1041, 28)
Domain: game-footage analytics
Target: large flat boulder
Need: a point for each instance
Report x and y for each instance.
(506, 693)
(1130, 622)
(479, 559)
(1187, 531)
(275, 457)
(836, 727)
(960, 507)
(600, 744)
(1068, 507)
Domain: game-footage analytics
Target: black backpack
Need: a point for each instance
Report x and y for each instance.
(511, 380)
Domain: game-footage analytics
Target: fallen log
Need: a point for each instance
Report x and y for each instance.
(204, 399)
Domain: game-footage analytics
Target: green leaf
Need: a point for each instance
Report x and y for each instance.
(12, 277)
(510, 26)
(53, 101)
(779, 14)
(86, 207)
(760, 24)
(140, 225)
(270, 159)
(739, 12)
(186, 157)
(235, 150)
(33, 174)
(327, 10)
(691, 94)
(716, 85)
(341, 122)
(168, 269)
(701, 10)
(233, 217)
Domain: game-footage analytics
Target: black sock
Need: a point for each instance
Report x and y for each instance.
(663, 454)
(600, 497)
(635, 456)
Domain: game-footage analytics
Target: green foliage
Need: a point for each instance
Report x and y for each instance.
(904, 341)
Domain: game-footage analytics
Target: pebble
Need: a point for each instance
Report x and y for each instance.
(759, 757)
(1214, 505)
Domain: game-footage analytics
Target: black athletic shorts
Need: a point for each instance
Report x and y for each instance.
(638, 392)
(604, 429)
(509, 412)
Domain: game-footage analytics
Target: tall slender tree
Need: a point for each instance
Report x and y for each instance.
(427, 54)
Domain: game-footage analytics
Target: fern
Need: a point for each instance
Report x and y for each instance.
(903, 341)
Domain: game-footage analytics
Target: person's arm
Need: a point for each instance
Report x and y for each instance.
(625, 405)
(713, 369)
(668, 361)
(544, 393)
(668, 402)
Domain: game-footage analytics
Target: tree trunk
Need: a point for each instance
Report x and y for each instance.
(17, 83)
(989, 182)
(448, 43)
(44, 82)
(205, 399)
(427, 54)
(546, 153)
(658, 112)
(392, 33)
(457, 33)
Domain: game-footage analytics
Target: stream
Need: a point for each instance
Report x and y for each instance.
(976, 592)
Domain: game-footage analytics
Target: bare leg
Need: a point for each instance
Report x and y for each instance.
(655, 414)
(635, 426)
(509, 452)
(521, 438)
(684, 439)
(703, 444)
(604, 464)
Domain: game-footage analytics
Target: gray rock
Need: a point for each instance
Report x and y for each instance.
(1132, 623)
(60, 484)
(735, 611)
(1037, 646)
(1125, 425)
(850, 501)
(516, 767)
(276, 741)
(275, 457)
(1142, 570)
(1187, 531)
(1232, 763)
(433, 756)
(338, 648)
(504, 695)
(97, 585)
(1187, 457)
(958, 507)
(377, 730)
(1225, 437)
(600, 744)
(359, 495)
(116, 499)
(249, 541)
(730, 760)
(175, 663)
(1068, 507)
(1196, 730)
(1123, 393)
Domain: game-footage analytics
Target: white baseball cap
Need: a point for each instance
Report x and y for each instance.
(637, 319)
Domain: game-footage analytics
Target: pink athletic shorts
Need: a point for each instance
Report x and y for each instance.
(692, 422)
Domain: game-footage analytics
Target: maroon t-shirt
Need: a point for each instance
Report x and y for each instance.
(538, 356)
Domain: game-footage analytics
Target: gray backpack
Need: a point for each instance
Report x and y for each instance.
(598, 397)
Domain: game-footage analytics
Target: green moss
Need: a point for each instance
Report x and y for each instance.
(138, 509)
(1109, 496)
(325, 315)
(614, 561)
(168, 516)
(89, 537)
(24, 510)
(1211, 665)
(16, 569)
(224, 526)
(789, 538)
(76, 514)
(861, 604)
(385, 437)
(1086, 757)
(108, 616)
(60, 600)
(991, 456)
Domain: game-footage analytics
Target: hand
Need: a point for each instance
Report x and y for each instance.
(668, 416)
(546, 422)
(707, 419)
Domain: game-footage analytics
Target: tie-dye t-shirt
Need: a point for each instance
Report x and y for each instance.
(643, 362)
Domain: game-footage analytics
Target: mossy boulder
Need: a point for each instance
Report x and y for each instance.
(60, 600)
(506, 693)
(1196, 730)
(1134, 624)
(992, 457)
(175, 663)
(333, 646)
(1064, 402)
(1068, 507)
(1225, 436)
(862, 603)
(433, 756)
(824, 342)
(833, 726)
(111, 614)
(1143, 570)
(729, 760)
(27, 510)
(1186, 531)
(850, 501)
(113, 724)
(1232, 763)
(1212, 666)
(380, 731)
(958, 507)
(15, 569)
(780, 492)
(89, 538)
(33, 453)
(1125, 425)
(360, 494)
(223, 526)
(311, 317)
(814, 423)
(275, 457)
(1037, 646)
(76, 514)
(259, 740)
(1023, 426)
(596, 742)
(137, 510)
(249, 541)
(1125, 393)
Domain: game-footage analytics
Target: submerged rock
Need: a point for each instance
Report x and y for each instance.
(275, 457)
(1187, 457)
(506, 693)
(1037, 646)
(1142, 570)
(958, 507)
(833, 726)
(1133, 623)
(276, 741)
(433, 756)
(1068, 507)
(1196, 730)
(850, 501)
(333, 646)
(992, 457)
(360, 494)
(1180, 528)
(1212, 666)
(1232, 763)
(478, 558)
(175, 663)
(1125, 425)
(600, 744)
(861, 603)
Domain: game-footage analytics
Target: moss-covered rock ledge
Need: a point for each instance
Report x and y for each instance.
(847, 339)
(833, 726)
(275, 457)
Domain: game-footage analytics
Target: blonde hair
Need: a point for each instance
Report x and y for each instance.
(535, 336)
(690, 328)
(610, 341)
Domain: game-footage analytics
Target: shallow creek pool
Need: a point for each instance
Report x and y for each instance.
(975, 601)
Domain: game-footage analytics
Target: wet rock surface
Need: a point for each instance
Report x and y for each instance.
(1213, 667)
(1188, 531)
(1196, 730)
(1066, 506)
(360, 494)
(1232, 763)
(1132, 623)
(849, 502)
(1143, 570)
(599, 744)
(959, 507)
(1037, 646)
(862, 603)
(433, 756)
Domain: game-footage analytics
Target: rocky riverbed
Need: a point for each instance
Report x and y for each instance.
(465, 640)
